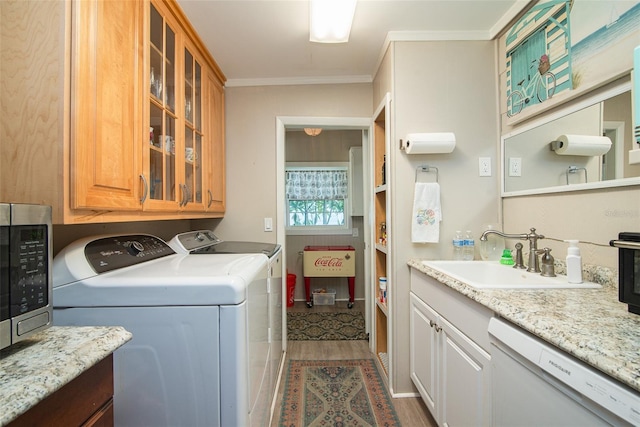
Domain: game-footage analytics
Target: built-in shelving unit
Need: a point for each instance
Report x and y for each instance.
(382, 242)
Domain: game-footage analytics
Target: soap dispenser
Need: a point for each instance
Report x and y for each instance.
(574, 262)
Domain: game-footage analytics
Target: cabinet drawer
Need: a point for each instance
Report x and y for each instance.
(76, 403)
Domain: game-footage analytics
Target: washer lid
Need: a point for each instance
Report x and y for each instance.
(177, 280)
(205, 242)
(224, 247)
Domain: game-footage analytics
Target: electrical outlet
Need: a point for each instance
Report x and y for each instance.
(515, 166)
(484, 166)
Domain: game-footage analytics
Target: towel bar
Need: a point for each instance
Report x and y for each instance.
(426, 168)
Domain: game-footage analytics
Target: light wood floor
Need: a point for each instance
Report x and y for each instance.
(411, 411)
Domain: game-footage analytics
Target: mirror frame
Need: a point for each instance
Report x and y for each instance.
(587, 101)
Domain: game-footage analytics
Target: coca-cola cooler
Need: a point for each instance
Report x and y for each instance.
(329, 261)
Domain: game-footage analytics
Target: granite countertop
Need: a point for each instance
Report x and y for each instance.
(35, 368)
(590, 324)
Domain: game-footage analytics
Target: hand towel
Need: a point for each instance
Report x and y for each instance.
(427, 213)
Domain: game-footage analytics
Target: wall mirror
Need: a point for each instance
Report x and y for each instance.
(531, 167)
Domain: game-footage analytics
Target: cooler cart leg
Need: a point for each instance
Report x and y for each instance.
(352, 291)
(307, 290)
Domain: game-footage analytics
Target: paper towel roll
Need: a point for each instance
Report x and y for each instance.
(582, 145)
(430, 143)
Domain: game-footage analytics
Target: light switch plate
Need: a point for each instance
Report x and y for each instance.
(268, 224)
(484, 166)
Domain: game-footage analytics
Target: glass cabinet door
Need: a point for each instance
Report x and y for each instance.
(193, 136)
(162, 114)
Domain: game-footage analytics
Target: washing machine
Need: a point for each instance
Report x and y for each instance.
(265, 338)
(188, 361)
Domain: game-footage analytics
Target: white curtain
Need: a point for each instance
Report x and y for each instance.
(304, 184)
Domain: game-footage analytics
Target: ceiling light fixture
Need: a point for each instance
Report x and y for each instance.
(330, 20)
(312, 131)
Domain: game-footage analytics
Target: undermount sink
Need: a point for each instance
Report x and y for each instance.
(492, 275)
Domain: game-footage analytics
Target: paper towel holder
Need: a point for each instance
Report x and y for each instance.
(436, 138)
(561, 140)
(554, 145)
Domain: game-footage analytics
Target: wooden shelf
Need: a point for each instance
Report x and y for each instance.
(382, 234)
(381, 188)
(381, 248)
(382, 306)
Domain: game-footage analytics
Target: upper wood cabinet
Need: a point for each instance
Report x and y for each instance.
(105, 82)
(185, 113)
(215, 176)
(111, 111)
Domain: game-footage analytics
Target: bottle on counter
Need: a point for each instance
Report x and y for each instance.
(469, 247)
(458, 246)
(574, 262)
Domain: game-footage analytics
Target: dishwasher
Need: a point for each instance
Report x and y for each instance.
(535, 384)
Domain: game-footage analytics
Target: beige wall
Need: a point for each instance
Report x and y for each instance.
(439, 87)
(251, 146)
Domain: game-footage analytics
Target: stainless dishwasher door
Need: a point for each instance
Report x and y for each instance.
(534, 384)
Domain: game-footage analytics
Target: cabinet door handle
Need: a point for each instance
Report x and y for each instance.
(438, 328)
(185, 195)
(145, 185)
(432, 323)
(210, 198)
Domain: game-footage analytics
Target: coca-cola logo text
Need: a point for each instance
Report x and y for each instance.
(327, 261)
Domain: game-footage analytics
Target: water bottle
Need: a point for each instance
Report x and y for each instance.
(469, 247)
(458, 246)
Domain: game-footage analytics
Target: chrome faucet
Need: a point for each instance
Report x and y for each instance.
(532, 237)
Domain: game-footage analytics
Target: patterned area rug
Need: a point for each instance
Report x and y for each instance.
(305, 326)
(336, 393)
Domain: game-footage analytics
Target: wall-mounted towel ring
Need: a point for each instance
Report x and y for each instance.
(574, 169)
(427, 169)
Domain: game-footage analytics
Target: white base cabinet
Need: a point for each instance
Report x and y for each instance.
(450, 370)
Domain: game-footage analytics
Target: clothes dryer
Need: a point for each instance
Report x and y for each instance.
(266, 337)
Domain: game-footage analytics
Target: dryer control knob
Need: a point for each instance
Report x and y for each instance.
(134, 247)
(200, 237)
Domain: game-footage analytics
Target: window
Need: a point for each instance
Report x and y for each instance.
(317, 198)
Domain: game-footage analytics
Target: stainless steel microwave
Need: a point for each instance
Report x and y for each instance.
(25, 271)
(628, 245)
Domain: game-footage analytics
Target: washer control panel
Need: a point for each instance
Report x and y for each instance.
(193, 240)
(111, 253)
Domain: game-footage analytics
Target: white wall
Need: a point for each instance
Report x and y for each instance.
(251, 147)
(439, 87)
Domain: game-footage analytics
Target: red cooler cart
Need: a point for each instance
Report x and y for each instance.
(329, 261)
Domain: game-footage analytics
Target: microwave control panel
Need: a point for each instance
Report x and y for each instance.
(29, 267)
